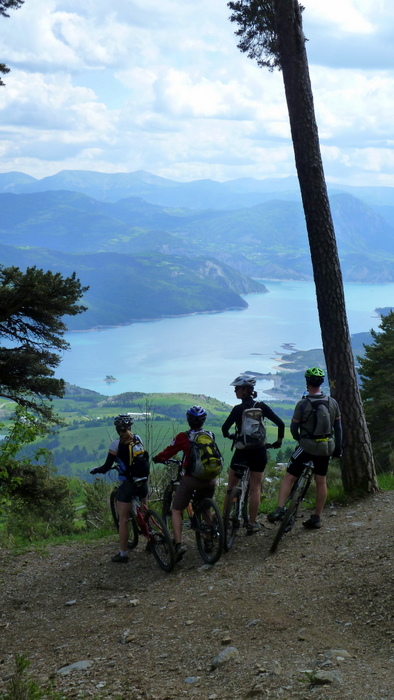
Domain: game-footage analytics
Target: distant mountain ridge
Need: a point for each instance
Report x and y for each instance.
(196, 194)
(167, 248)
(268, 240)
(128, 288)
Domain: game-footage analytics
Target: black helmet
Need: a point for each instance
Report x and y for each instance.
(123, 421)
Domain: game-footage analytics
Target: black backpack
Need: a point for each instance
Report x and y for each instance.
(134, 459)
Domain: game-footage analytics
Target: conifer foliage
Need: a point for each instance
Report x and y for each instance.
(376, 370)
(6, 5)
(32, 306)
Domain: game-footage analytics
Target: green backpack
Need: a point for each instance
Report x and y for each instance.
(205, 460)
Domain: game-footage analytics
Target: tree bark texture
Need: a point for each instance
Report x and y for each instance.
(358, 471)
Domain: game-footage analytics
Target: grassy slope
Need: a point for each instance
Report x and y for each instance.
(83, 441)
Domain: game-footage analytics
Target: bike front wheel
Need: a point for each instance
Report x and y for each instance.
(209, 530)
(133, 528)
(290, 515)
(231, 518)
(166, 506)
(160, 540)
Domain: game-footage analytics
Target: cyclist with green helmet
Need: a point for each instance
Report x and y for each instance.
(316, 425)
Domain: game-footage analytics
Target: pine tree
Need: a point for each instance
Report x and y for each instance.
(376, 369)
(271, 32)
(32, 306)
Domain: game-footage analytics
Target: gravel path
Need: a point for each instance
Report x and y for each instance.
(315, 620)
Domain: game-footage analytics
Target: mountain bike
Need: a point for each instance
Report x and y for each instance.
(202, 516)
(146, 522)
(235, 513)
(293, 503)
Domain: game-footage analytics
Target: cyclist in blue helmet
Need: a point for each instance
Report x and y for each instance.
(195, 416)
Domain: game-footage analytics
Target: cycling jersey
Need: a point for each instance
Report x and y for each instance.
(236, 416)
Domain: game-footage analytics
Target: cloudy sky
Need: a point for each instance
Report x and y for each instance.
(160, 85)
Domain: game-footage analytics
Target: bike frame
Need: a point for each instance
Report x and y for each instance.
(297, 495)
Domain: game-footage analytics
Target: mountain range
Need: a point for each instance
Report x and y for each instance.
(175, 248)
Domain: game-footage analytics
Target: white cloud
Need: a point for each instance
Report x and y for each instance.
(160, 85)
(345, 15)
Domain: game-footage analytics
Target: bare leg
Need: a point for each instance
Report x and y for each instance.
(321, 493)
(177, 525)
(124, 515)
(255, 479)
(285, 488)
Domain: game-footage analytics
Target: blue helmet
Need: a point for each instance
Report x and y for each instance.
(196, 412)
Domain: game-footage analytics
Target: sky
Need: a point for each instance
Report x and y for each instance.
(160, 85)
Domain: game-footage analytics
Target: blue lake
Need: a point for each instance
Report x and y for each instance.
(203, 353)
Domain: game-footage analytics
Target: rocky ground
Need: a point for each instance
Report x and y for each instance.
(315, 620)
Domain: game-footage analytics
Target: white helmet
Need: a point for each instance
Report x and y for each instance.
(244, 380)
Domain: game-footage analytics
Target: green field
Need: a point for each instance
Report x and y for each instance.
(82, 442)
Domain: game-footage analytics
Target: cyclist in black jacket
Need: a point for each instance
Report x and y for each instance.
(255, 459)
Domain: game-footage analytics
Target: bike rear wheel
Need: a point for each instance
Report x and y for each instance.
(209, 530)
(286, 524)
(160, 540)
(133, 528)
(231, 518)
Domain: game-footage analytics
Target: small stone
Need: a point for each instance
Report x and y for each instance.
(224, 657)
(326, 677)
(192, 679)
(253, 623)
(77, 666)
(71, 602)
(126, 637)
(338, 653)
(134, 602)
(278, 670)
(112, 603)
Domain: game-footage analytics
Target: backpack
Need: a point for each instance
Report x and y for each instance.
(134, 459)
(205, 460)
(253, 433)
(321, 426)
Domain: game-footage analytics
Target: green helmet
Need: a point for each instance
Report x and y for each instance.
(314, 372)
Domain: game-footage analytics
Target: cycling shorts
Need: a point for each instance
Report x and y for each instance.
(127, 491)
(255, 460)
(187, 485)
(298, 458)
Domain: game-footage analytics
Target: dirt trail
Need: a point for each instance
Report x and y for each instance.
(286, 614)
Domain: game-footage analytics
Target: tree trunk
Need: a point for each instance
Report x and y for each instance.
(358, 471)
